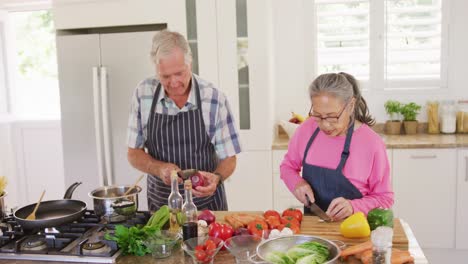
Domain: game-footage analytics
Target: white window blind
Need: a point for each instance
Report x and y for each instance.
(392, 43)
(343, 37)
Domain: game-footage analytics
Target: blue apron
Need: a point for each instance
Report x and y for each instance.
(181, 139)
(326, 183)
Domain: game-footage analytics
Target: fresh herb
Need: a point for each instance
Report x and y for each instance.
(130, 239)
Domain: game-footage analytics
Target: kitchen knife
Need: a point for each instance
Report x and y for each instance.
(317, 211)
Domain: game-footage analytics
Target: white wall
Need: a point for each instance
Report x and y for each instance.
(7, 163)
(291, 81)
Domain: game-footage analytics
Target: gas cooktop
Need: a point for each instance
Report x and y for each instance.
(80, 241)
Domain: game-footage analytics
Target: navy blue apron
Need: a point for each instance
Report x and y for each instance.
(181, 139)
(326, 183)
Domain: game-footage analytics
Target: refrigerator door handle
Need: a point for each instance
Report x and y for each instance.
(98, 125)
(108, 180)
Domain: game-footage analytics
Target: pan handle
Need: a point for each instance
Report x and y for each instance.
(70, 190)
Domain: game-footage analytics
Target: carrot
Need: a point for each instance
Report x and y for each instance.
(356, 249)
(366, 256)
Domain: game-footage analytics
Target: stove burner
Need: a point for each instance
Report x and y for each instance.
(34, 243)
(96, 248)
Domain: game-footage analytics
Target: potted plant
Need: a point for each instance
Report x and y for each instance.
(409, 112)
(393, 126)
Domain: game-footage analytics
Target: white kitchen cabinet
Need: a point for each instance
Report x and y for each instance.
(249, 188)
(425, 192)
(282, 197)
(462, 201)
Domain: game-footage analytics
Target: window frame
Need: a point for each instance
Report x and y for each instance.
(377, 82)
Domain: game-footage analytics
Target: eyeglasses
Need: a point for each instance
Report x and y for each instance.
(329, 119)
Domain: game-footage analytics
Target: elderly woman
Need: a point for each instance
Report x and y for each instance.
(344, 163)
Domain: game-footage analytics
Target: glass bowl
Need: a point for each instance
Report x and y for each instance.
(199, 250)
(243, 247)
(161, 243)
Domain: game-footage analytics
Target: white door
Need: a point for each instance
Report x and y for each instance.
(77, 55)
(127, 61)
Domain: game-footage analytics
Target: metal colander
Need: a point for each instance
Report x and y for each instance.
(284, 243)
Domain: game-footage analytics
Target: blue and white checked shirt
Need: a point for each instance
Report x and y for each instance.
(219, 122)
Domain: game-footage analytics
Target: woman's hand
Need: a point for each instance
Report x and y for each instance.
(339, 209)
(209, 188)
(301, 190)
(164, 172)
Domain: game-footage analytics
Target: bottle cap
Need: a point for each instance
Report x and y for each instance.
(188, 184)
(382, 237)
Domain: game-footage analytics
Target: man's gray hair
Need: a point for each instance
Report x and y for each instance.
(165, 41)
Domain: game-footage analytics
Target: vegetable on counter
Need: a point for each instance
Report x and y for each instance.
(296, 213)
(380, 217)
(222, 231)
(355, 226)
(306, 253)
(208, 216)
(130, 239)
(257, 227)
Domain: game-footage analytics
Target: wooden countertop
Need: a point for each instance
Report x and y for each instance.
(309, 226)
(403, 141)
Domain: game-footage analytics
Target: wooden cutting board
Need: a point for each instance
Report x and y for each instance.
(311, 225)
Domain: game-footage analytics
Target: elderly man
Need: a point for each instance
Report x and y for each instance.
(184, 123)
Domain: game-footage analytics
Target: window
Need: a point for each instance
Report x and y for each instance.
(34, 90)
(389, 44)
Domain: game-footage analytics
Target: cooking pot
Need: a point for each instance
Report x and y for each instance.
(282, 244)
(111, 203)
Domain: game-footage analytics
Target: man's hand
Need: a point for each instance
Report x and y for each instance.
(302, 188)
(210, 186)
(164, 170)
(339, 209)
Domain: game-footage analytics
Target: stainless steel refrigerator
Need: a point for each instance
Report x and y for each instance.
(98, 73)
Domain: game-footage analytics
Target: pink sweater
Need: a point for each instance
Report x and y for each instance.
(367, 167)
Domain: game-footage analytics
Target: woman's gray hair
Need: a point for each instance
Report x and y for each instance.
(165, 41)
(343, 86)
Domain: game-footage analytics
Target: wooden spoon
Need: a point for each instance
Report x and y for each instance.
(32, 216)
(134, 185)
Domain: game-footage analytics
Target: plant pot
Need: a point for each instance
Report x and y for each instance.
(393, 127)
(411, 127)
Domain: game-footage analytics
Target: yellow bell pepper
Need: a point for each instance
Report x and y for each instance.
(355, 226)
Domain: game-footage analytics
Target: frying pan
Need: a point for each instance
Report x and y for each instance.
(52, 213)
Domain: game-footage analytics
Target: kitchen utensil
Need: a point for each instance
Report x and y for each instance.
(106, 198)
(2, 204)
(317, 211)
(161, 243)
(52, 213)
(134, 185)
(32, 216)
(283, 244)
(185, 174)
(242, 247)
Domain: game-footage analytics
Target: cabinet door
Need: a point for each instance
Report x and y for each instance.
(282, 197)
(424, 186)
(462, 200)
(249, 188)
(126, 58)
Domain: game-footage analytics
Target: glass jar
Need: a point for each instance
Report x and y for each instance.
(448, 117)
(462, 116)
(433, 117)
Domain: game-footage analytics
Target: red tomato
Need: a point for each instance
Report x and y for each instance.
(271, 213)
(210, 245)
(200, 255)
(256, 227)
(273, 222)
(289, 219)
(296, 213)
(222, 231)
(291, 225)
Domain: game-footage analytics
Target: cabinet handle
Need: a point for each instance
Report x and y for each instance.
(466, 169)
(424, 156)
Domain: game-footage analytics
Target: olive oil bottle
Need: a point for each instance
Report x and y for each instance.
(175, 202)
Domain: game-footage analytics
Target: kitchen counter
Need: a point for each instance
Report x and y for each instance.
(402, 141)
(224, 256)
